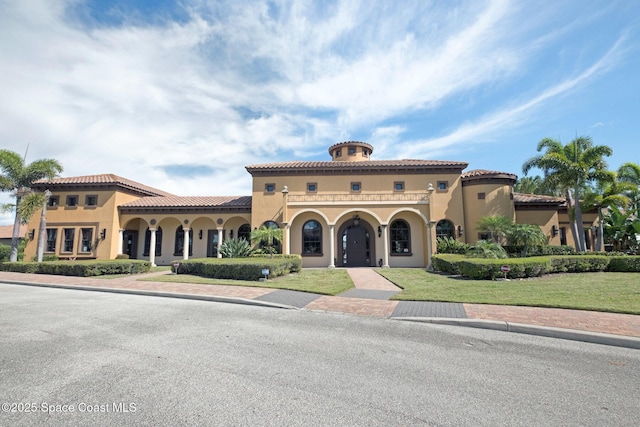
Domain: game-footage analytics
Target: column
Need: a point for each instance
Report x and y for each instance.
(287, 234)
(152, 247)
(332, 244)
(185, 249)
(385, 240)
(219, 243)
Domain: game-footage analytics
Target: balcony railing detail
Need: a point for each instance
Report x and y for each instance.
(361, 197)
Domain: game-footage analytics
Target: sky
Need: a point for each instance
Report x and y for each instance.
(182, 95)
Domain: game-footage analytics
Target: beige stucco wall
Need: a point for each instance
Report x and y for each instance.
(497, 201)
(545, 218)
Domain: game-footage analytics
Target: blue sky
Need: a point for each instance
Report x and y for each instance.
(181, 95)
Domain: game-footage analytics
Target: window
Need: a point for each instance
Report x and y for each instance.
(68, 237)
(356, 187)
(270, 188)
(443, 185)
(312, 187)
(147, 242)
(481, 196)
(352, 151)
(52, 235)
(400, 237)
(277, 245)
(444, 228)
(244, 232)
(91, 200)
(72, 201)
(312, 238)
(86, 239)
(365, 152)
(484, 236)
(179, 246)
(53, 202)
(398, 186)
(339, 152)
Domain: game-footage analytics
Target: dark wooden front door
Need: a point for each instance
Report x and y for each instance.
(355, 245)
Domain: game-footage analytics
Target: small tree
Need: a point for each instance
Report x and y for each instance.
(496, 225)
(267, 236)
(488, 249)
(526, 235)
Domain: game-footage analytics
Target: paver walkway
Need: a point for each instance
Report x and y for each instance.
(366, 280)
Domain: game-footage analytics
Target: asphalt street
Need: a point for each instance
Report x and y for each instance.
(85, 358)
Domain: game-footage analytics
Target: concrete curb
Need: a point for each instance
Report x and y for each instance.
(544, 331)
(212, 298)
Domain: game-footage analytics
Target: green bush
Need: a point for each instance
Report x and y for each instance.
(235, 248)
(449, 245)
(515, 251)
(579, 263)
(122, 256)
(487, 249)
(78, 268)
(5, 252)
(240, 268)
(492, 268)
(624, 263)
(447, 263)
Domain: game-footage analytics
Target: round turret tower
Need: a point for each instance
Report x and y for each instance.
(351, 151)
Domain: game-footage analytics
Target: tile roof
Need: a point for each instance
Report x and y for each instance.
(536, 199)
(190, 202)
(6, 231)
(102, 180)
(477, 173)
(371, 165)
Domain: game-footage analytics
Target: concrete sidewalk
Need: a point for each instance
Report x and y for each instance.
(371, 298)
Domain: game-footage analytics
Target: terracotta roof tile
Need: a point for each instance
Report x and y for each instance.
(190, 202)
(536, 199)
(347, 166)
(487, 174)
(6, 231)
(102, 179)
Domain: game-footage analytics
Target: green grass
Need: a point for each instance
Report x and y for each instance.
(612, 292)
(319, 281)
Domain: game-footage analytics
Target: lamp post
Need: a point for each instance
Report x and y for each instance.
(429, 243)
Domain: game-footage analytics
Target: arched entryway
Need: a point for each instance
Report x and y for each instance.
(356, 244)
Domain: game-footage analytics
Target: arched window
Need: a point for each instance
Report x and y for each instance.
(147, 242)
(312, 238)
(444, 228)
(179, 247)
(244, 232)
(400, 237)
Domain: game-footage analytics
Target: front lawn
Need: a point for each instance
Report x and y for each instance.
(318, 281)
(613, 292)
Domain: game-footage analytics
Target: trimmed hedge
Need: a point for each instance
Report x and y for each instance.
(624, 264)
(78, 268)
(515, 251)
(482, 268)
(239, 268)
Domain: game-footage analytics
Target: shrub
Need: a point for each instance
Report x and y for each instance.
(492, 268)
(486, 249)
(449, 245)
(516, 250)
(240, 268)
(5, 252)
(235, 248)
(78, 268)
(122, 256)
(447, 263)
(579, 263)
(624, 263)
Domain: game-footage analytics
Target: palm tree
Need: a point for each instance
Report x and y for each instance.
(496, 225)
(571, 167)
(267, 235)
(17, 178)
(630, 173)
(607, 194)
(526, 235)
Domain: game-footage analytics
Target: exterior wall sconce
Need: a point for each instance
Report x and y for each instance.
(32, 234)
(379, 231)
(103, 234)
(460, 231)
(356, 220)
(554, 230)
(200, 234)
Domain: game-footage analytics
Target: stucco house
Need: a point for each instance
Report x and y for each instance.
(349, 211)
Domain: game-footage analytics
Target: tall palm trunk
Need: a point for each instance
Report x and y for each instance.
(579, 225)
(15, 236)
(42, 230)
(572, 220)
